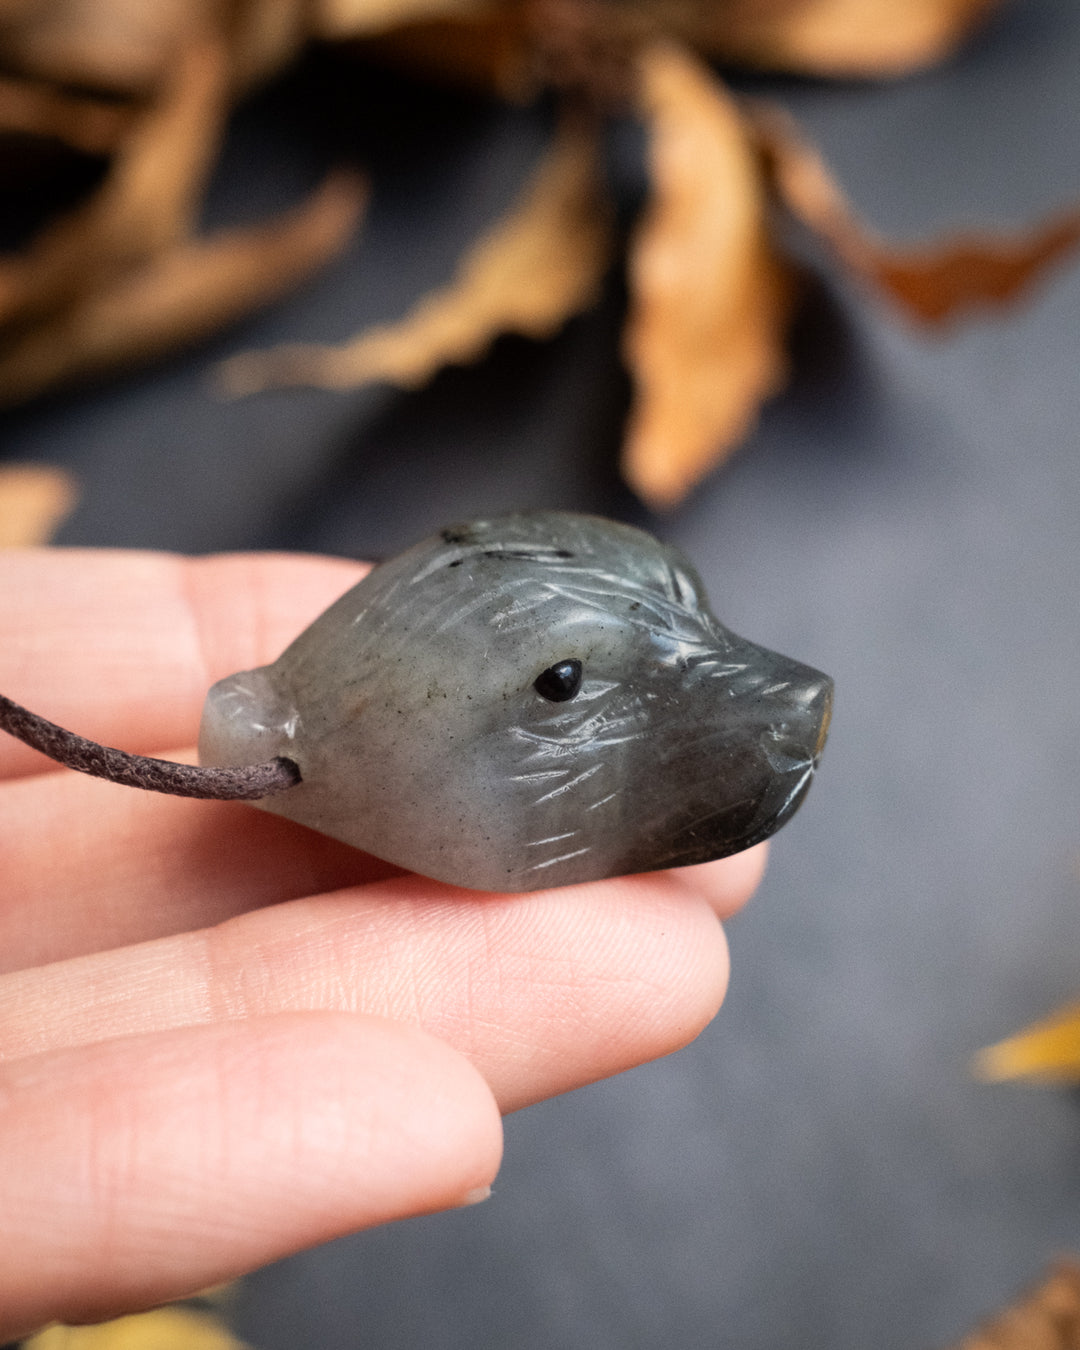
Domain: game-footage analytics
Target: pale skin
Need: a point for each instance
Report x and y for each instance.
(224, 1038)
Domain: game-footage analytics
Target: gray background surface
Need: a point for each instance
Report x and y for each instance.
(818, 1169)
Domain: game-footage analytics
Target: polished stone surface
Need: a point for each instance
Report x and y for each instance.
(528, 701)
(818, 1169)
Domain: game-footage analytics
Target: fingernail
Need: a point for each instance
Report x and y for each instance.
(476, 1196)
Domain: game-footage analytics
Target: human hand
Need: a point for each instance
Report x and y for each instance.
(224, 1037)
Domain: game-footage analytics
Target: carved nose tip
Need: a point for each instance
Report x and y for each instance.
(801, 720)
(816, 702)
(245, 719)
(824, 701)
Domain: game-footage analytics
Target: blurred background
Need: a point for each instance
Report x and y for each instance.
(820, 1169)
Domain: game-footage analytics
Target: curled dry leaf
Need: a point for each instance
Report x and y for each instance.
(125, 49)
(146, 203)
(838, 38)
(356, 18)
(538, 265)
(709, 296)
(1048, 1051)
(477, 44)
(263, 36)
(35, 499)
(933, 283)
(92, 125)
(109, 45)
(1046, 1318)
(184, 293)
(120, 278)
(499, 44)
(487, 51)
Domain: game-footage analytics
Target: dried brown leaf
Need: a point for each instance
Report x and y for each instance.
(488, 50)
(932, 283)
(1046, 1318)
(499, 42)
(709, 296)
(152, 197)
(114, 45)
(147, 202)
(184, 293)
(264, 35)
(839, 38)
(34, 501)
(94, 126)
(359, 18)
(531, 271)
(1048, 1051)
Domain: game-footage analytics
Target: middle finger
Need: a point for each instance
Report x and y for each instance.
(88, 865)
(543, 991)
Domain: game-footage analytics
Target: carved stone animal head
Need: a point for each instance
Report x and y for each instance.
(530, 701)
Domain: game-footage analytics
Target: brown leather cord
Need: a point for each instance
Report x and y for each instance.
(248, 782)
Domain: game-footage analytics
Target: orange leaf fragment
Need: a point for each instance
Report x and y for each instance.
(34, 501)
(709, 295)
(538, 265)
(838, 38)
(1047, 1051)
(931, 283)
(1046, 1318)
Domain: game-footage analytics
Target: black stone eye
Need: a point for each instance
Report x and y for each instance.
(560, 682)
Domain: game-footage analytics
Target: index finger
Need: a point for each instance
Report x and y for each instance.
(122, 646)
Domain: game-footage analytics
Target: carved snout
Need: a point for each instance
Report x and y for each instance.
(753, 726)
(776, 714)
(792, 742)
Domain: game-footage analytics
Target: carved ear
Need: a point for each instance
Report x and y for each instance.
(231, 783)
(245, 720)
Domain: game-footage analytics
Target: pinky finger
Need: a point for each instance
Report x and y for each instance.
(142, 1169)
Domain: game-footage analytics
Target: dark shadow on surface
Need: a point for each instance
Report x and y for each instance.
(836, 389)
(531, 425)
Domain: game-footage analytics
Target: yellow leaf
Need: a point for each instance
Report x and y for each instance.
(1048, 1051)
(709, 296)
(530, 272)
(932, 283)
(34, 501)
(162, 1329)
